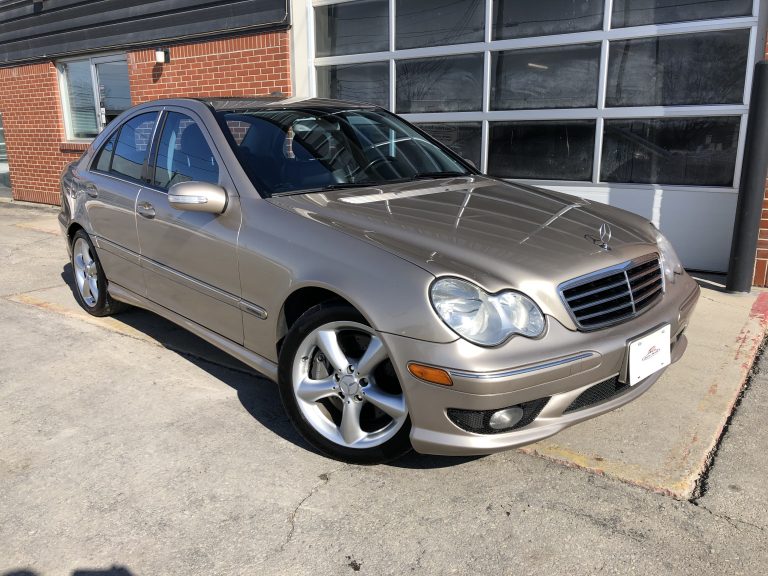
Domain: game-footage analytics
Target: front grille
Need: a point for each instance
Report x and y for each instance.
(600, 392)
(615, 294)
(478, 421)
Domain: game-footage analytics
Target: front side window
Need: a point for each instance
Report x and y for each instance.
(132, 146)
(94, 91)
(296, 150)
(183, 154)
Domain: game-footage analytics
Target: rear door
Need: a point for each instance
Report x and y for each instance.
(114, 180)
(190, 258)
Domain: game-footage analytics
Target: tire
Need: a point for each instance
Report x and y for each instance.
(340, 389)
(90, 280)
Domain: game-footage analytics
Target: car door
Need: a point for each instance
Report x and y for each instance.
(112, 187)
(190, 258)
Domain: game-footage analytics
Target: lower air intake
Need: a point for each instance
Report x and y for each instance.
(596, 394)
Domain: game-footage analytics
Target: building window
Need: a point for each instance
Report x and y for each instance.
(94, 92)
(5, 177)
(671, 150)
(607, 92)
(516, 19)
(450, 84)
(361, 82)
(545, 78)
(464, 138)
(633, 13)
(550, 150)
(422, 23)
(352, 28)
(685, 69)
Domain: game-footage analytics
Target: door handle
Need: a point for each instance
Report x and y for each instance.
(92, 191)
(146, 209)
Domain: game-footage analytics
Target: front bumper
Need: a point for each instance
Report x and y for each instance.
(559, 366)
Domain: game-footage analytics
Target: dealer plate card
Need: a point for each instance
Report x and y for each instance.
(649, 354)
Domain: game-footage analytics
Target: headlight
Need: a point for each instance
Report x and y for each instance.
(482, 318)
(670, 262)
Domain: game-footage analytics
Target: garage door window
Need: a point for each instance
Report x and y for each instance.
(598, 83)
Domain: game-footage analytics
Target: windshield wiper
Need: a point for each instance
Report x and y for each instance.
(334, 186)
(434, 175)
(342, 185)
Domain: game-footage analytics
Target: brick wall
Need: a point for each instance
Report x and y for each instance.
(252, 65)
(34, 131)
(244, 66)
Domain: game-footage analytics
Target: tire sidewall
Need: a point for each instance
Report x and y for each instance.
(312, 319)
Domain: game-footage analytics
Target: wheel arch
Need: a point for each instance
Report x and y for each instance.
(72, 230)
(301, 300)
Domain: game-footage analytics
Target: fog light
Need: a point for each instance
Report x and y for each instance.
(506, 418)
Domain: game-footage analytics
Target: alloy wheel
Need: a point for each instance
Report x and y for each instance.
(346, 387)
(86, 272)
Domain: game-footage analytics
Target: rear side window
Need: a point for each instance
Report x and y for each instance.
(104, 157)
(183, 154)
(132, 146)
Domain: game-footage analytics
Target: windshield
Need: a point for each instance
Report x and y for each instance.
(290, 151)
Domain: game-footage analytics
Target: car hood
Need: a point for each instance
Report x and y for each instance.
(498, 234)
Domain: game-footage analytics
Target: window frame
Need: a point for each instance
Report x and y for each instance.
(64, 92)
(600, 113)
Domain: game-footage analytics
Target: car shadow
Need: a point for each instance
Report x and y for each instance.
(113, 571)
(258, 395)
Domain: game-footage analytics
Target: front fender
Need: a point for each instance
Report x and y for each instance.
(281, 252)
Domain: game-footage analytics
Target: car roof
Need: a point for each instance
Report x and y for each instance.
(272, 102)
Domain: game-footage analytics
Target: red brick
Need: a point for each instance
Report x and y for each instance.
(761, 273)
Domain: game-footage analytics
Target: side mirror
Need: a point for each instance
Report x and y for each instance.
(198, 197)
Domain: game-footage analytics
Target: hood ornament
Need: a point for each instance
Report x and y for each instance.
(604, 237)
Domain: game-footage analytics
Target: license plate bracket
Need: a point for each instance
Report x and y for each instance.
(649, 353)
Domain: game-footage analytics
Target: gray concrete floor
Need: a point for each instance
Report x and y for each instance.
(120, 456)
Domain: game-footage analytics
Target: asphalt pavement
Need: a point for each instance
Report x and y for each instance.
(124, 452)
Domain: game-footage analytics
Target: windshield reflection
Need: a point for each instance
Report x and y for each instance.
(291, 151)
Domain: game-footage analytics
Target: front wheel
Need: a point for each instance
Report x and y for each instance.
(340, 389)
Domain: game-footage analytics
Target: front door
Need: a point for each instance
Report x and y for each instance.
(190, 258)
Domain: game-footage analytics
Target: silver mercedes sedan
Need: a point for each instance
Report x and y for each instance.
(399, 298)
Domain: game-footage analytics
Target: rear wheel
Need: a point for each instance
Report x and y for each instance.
(340, 389)
(90, 280)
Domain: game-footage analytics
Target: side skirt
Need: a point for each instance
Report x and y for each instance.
(258, 363)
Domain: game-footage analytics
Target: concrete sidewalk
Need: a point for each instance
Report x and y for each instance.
(128, 442)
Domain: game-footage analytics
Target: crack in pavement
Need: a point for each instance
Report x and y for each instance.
(325, 478)
(733, 522)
